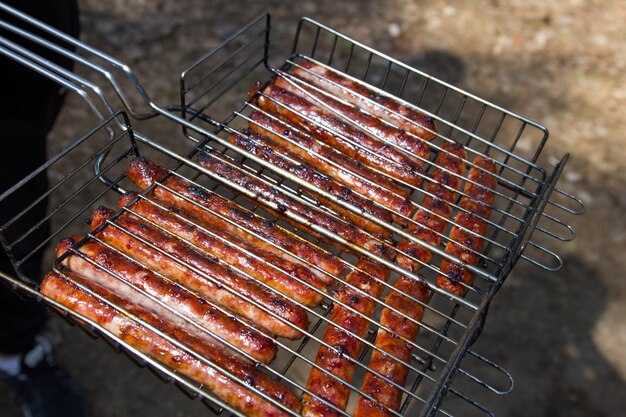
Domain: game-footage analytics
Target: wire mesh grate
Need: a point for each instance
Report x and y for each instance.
(218, 82)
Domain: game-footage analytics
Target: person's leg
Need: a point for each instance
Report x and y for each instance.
(21, 319)
(29, 106)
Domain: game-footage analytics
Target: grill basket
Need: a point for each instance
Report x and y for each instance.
(90, 171)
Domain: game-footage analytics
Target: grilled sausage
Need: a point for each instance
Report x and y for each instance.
(330, 161)
(345, 230)
(260, 249)
(436, 207)
(397, 203)
(265, 148)
(380, 132)
(340, 335)
(258, 346)
(375, 102)
(260, 269)
(202, 203)
(341, 136)
(395, 349)
(202, 274)
(450, 168)
(150, 343)
(473, 227)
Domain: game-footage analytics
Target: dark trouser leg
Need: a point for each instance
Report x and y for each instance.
(29, 105)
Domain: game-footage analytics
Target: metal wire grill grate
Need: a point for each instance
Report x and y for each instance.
(450, 323)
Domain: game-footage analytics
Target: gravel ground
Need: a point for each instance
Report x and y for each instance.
(562, 63)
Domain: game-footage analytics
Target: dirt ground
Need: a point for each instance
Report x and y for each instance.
(562, 63)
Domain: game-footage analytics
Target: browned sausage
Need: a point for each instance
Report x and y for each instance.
(397, 204)
(447, 178)
(340, 335)
(436, 207)
(329, 160)
(255, 246)
(265, 148)
(343, 137)
(479, 209)
(349, 232)
(202, 274)
(258, 346)
(260, 269)
(395, 349)
(373, 101)
(148, 342)
(381, 132)
(210, 206)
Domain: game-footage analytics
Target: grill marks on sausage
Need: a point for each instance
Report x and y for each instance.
(379, 131)
(150, 343)
(340, 135)
(395, 349)
(437, 207)
(358, 177)
(264, 147)
(472, 226)
(212, 280)
(209, 208)
(114, 265)
(341, 335)
(352, 234)
(261, 269)
(367, 98)
(405, 328)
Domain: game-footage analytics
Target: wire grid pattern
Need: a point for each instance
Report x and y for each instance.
(422, 363)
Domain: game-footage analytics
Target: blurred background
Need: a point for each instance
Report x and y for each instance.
(561, 63)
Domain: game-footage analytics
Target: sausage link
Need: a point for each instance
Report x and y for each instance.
(341, 336)
(150, 343)
(249, 243)
(342, 167)
(258, 346)
(341, 136)
(395, 349)
(265, 148)
(477, 202)
(375, 102)
(349, 232)
(259, 269)
(450, 168)
(397, 203)
(144, 173)
(436, 207)
(381, 133)
(209, 281)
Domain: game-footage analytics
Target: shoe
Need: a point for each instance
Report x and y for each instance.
(43, 388)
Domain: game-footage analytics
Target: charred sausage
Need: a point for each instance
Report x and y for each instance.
(472, 227)
(265, 148)
(150, 343)
(432, 217)
(375, 102)
(261, 269)
(349, 232)
(380, 132)
(212, 210)
(340, 335)
(107, 263)
(340, 135)
(330, 161)
(202, 274)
